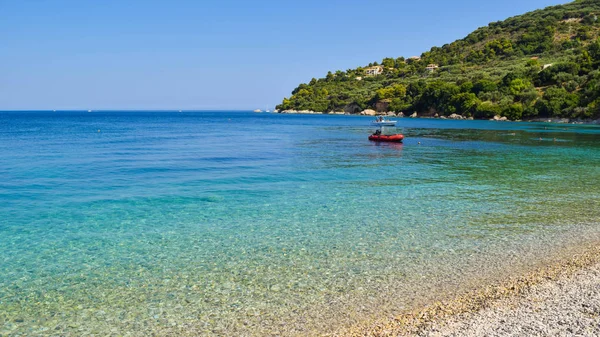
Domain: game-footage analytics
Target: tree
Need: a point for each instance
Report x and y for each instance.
(508, 78)
(399, 104)
(590, 93)
(388, 62)
(395, 91)
(498, 47)
(304, 92)
(548, 75)
(484, 86)
(486, 110)
(465, 103)
(300, 87)
(466, 86)
(513, 111)
(555, 101)
(594, 50)
(400, 62)
(517, 86)
(436, 97)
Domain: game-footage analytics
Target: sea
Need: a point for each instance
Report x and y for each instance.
(234, 223)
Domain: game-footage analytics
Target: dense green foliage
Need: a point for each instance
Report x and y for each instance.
(541, 64)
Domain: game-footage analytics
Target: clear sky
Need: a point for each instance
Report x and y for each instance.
(211, 54)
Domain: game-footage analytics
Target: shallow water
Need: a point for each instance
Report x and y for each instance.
(214, 223)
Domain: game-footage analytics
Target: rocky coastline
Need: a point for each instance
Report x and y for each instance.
(454, 116)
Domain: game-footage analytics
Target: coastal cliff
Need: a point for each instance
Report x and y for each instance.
(540, 65)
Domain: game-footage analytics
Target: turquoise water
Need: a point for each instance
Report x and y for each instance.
(236, 223)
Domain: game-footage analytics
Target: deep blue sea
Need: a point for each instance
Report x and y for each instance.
(240, 223)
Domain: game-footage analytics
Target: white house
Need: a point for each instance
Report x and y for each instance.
(374, 71)
(431, 67)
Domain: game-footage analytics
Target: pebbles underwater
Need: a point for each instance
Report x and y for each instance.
(155, 226)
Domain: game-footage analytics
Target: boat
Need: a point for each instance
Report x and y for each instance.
(379, 137)
(258, 110)
(383, 122)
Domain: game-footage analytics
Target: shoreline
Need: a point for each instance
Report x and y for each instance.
(515, 305)
(497, 118)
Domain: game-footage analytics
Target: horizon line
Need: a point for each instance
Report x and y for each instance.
(125, 110)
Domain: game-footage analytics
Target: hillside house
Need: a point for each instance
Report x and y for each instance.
(431, 67)
(374, 71)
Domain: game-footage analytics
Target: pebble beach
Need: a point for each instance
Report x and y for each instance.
(562, 299)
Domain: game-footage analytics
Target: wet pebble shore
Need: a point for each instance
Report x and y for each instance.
(558, 300)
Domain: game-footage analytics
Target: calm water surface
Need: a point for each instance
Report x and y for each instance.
(236, 223)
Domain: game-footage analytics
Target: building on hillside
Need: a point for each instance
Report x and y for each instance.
(432, 67)
(374, 71)
(415, 58)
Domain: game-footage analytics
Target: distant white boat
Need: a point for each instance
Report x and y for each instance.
(89, 110)
(383, 122)
(258, 110)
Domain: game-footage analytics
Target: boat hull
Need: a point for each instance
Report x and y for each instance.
(398, 138)
(389, 123)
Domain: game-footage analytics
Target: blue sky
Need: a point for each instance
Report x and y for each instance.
(211, 54)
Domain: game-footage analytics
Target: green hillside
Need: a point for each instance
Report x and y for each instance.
(541, 64)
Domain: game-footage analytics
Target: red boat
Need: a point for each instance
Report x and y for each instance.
(397, 138)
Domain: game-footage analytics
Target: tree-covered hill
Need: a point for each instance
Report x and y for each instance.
(541, 64)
